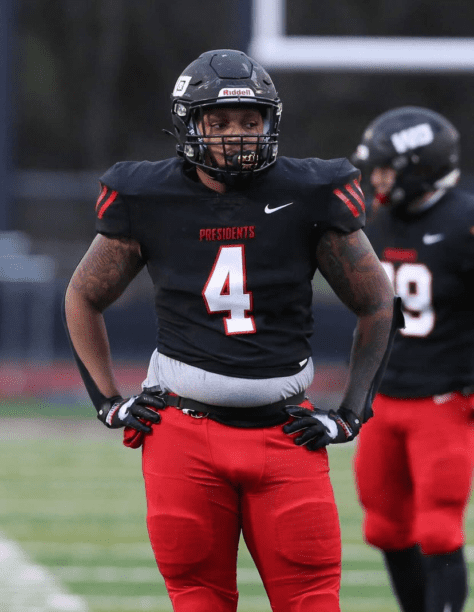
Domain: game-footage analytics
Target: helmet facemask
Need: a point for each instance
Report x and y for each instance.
(415, 177)
(242, 155)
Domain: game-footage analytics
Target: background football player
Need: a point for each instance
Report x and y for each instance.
(414, 458)
(232, 236)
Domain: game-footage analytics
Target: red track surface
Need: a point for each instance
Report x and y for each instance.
(37, 380)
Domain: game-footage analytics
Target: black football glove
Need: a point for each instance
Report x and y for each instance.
(320, 427)
(118, 412)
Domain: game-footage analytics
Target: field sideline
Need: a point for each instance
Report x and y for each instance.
(72, 498)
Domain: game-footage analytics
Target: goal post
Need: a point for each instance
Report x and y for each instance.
(274, 49)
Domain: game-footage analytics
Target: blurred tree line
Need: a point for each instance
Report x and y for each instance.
(94, 77)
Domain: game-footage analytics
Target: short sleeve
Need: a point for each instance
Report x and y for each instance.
(346, 206)
(112, 216)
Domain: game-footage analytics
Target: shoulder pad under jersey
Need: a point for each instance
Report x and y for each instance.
(456, 219)
(347, 198)
(141, 178)
(329, 187)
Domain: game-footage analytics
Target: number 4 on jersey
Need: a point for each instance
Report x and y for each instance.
(225, 290)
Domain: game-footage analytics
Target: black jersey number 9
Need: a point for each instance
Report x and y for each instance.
(413, 282)
(225, 290)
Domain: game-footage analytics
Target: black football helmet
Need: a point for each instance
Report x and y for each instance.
(225, 77)
(422, 147)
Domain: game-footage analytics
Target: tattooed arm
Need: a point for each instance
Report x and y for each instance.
(354, 272)
(101, 277)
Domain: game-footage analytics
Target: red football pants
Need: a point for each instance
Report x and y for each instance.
(207, 482)
(413, 469)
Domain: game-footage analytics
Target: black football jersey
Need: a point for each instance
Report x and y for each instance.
(232, 273)
(430, 260)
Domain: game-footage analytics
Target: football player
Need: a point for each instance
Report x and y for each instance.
(232, 236)
(414, 458)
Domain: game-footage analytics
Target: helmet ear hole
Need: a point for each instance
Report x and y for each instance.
(226, 78)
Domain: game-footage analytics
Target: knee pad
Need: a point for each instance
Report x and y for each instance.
(440, 532)
(183, 547)
(444, 496)
(180, 542)
(308, 535)
(385, 533)
(448, 481)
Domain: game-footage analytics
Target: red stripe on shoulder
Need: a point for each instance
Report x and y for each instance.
(101, 196)
(358, 187)
(347, 202)
(110, 200)
(355, 195)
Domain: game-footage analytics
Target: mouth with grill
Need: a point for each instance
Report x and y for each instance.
(241, 155)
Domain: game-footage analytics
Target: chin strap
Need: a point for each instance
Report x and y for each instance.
(398, 322)
(228, 179)
(381, 199)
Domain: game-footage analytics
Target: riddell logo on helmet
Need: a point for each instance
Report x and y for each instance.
(235, 91)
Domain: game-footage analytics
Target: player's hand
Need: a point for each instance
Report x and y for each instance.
(320, 427)
(118, 412)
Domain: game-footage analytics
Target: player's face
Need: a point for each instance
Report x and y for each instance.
(221, 126)
(383, 179)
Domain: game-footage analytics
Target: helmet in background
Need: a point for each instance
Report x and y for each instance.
(225, 78)
(422, 147)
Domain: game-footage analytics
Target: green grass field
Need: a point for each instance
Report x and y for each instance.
(77, 509)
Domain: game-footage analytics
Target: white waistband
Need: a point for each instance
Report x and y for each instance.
(188, 381)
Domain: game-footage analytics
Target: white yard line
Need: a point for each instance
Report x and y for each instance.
(90, 550)
(163, 604)
(253, 603)
(143, 552)
(137, 575)
(134, 575)
(26, 587)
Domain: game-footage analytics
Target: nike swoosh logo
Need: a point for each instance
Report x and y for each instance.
(432, 238)
(269, 211)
